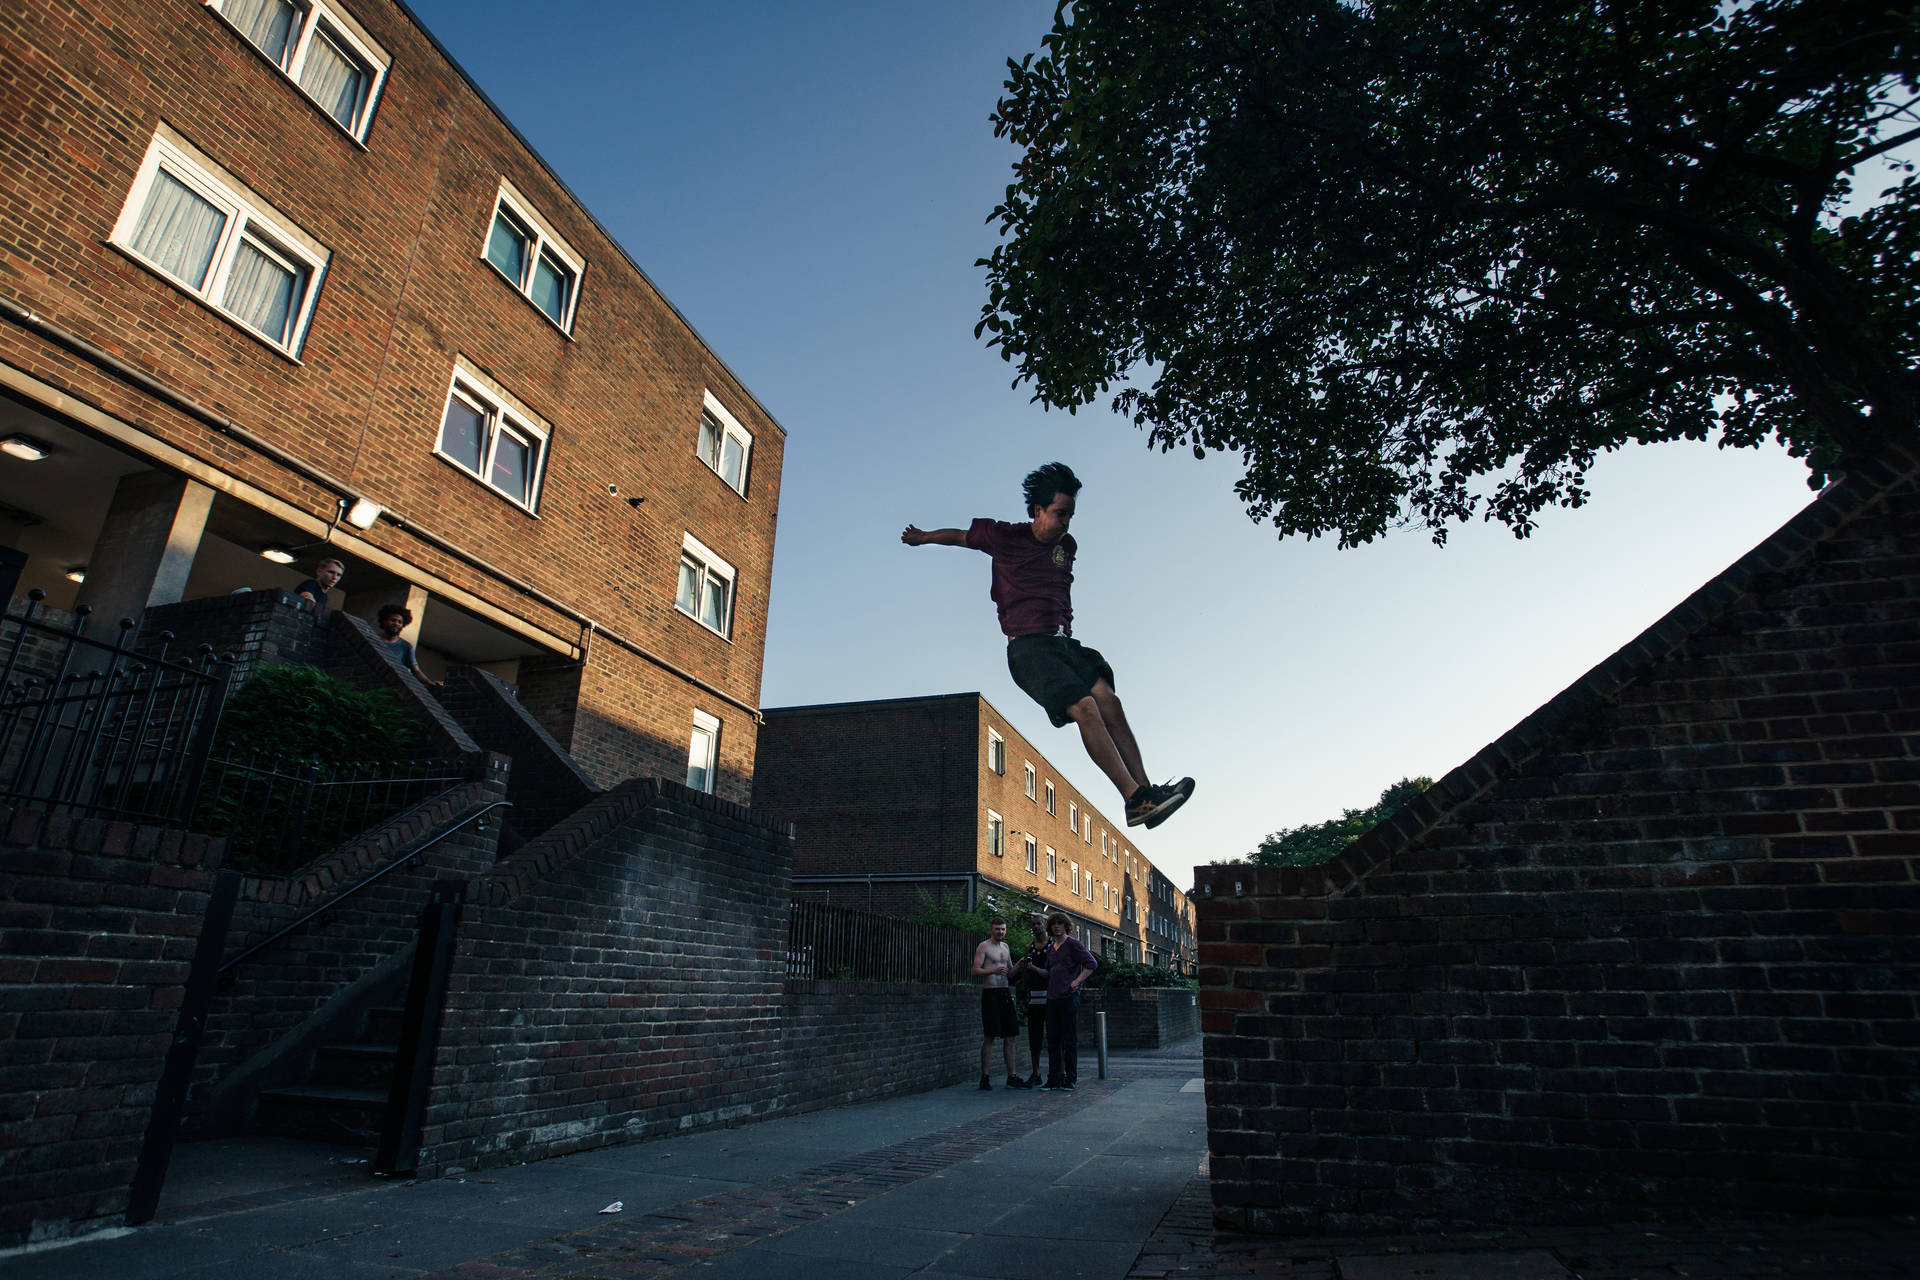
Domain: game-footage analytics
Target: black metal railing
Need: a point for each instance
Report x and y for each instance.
(92, 727)
(845, 943)
(279, 814)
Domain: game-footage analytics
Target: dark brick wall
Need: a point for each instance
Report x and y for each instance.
(1141, 1017)
(844, 1042)
(1656, 950)
(546, 784)
(259, 629)
(98, 923)
(619, 977)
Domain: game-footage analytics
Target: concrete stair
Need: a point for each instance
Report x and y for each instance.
(344, 1098)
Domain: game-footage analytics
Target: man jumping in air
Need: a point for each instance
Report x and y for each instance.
(1032, 582)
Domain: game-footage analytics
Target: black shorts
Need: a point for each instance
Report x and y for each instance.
(997, 1018)
(1056, 672)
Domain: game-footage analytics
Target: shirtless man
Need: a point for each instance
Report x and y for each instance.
(992, 962)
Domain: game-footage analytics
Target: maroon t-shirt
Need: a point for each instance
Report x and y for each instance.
(1032, 580)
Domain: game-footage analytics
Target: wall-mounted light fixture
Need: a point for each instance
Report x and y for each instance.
(278, 552)
(25, 447)
(77, 574)
(362, 512)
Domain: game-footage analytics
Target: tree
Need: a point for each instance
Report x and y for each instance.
(1419, 260)
(1311, 845)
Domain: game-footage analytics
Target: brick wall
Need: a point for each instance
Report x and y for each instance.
(844, 1042)
(97, 929)
(617, 978)
(263, 628)
(545, 784)
(1655, 950)
(1141, 1017)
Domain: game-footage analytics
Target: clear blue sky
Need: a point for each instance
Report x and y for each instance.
(810, 185)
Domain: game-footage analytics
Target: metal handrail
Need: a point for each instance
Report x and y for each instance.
(333, 904)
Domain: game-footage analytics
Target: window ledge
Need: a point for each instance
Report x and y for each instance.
(519, 293)
(299, 91)
(525, 511)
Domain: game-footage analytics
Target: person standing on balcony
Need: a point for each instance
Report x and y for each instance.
(1032, 582)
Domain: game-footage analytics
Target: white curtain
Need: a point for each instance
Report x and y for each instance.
(714, 608)
(335, 80)
(261, 292)
(178, 230)
(268, 23)
(732, 461)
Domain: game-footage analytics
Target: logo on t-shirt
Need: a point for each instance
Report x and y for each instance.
(1059, 556)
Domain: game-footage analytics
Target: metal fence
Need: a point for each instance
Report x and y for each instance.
(279, 814)
(845, 943)
(91, 727)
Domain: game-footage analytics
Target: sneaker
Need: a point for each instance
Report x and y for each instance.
(1015, 1082)
(1051, 1084)
(1033, 1081)
(986, 1085)
(1154, 803)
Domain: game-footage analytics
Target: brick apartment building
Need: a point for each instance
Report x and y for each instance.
(277, 278)
(942, 796)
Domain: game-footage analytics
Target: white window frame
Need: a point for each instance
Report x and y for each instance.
(709, 726)
(1087, 826)
(1033, 854)
(1033, 777)
(709, 565)
(720, 426)
(504, 415)
(996, 752)
(248, 219)
(1053, 865)
(1073, 817)
(1050, 808)
(1076, 878)
(996, 834)
(358, 45)
(545, 240)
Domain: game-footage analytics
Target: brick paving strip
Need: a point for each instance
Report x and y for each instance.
(1186, 1244)
(664, 1241)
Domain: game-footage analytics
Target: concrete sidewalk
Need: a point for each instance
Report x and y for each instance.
(1106, 1182)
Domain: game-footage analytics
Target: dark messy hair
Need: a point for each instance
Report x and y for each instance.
(389, 610)
(1043, 483)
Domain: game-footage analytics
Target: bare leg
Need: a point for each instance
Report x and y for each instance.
(1006, 1047)
(986, 1057)
(1101, 748)
(1118, 729)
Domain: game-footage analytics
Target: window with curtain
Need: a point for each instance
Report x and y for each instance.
(498, 446)
(190, 222)
(996, 834)
(321, 49)
(1033, 854)
(522, 248)
(705, 590)
(725, 445)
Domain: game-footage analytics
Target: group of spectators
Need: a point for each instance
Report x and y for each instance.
(391, 620)
(1051, 974)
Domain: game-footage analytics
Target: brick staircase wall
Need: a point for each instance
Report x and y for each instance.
(98, 923)
(546, 783)
(1656, 950)
(262, 628)
(261, 1028)
(1141, 1017)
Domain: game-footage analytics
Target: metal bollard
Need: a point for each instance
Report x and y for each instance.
(1100, 1027)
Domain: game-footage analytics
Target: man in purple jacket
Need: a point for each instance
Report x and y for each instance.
(1032, 584)
(1068, 964)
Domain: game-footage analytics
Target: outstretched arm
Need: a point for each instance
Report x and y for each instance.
(917, 537)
